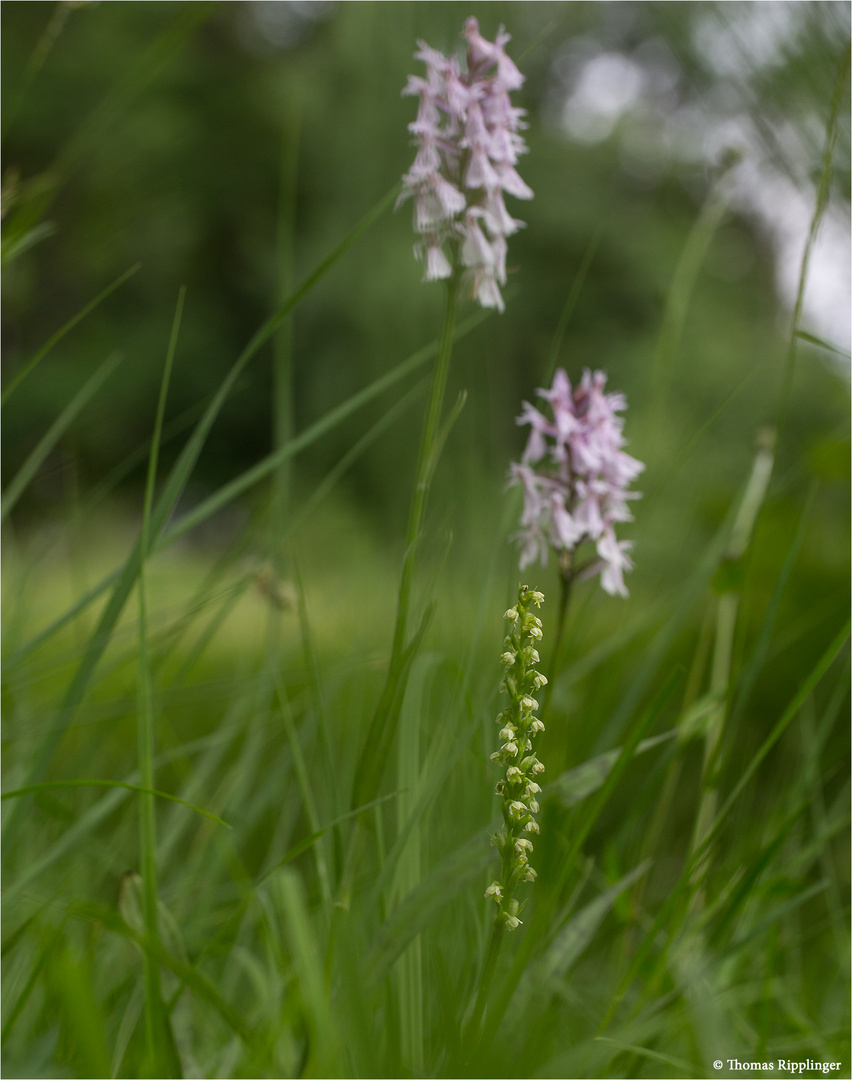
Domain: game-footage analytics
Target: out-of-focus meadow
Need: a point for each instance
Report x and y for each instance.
(681, 155)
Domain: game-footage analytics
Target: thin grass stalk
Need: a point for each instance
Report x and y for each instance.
(570, 304)
(306, 789)
(55, 432)
(242, 483)
(486, 980)
(44, 189)
(55, 338)
(566, 581)
(839, 99)
(282, 360)
(41, 51)
(680, 294)
(125, 579)
(156, 1020)
(380, 732)
(726, 624)
(425, 469)
(413, 776)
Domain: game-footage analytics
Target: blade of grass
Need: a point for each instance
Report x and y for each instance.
(243, 483)
(814, 678)
(161, 1051)
(571, 303)
(309, 841)
(283, 420)
(55, 432)
(174, 486)
(730, 588)
(686, 273)
(58, 785)
(284, 895)
(13, 246)
(54, 339)
(409, 867)
(32, 979)
(199, 984)
(306, 788)
(677, 900)
(440, 887)
(165, 46)
(567, 863)
(814, 340)
(838, 102)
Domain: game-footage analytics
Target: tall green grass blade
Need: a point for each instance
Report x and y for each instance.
(54, 433)
(199, 984)
(680, 294)
(173, 488)
(42, 49)
(832, 127)
(94, 127)
(814, 678)
(235, 488)
(571, 303)
(409, 866)
(441, 886)
(161, 1051)
(628, 752)
(58, 785)
(682, 1068)
(674, 909)
(309, 841)
(18, 242)
(545, 975)
(812, 339)
(333, 476)
(584, 780)
(55, 338)
(283, 420)
(47, 950)
(728, 584)
(284, 899)
(751, 669)
(85, 1023)
(308, 798)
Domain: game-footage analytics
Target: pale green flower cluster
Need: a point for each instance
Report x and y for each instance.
(518, 727)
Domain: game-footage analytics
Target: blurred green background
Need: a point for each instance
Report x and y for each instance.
(675, 151)
(155, 133)
(229, 147)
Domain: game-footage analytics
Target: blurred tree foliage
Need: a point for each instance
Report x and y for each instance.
(157, 132)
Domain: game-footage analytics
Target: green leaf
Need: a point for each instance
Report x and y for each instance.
(58, 785)
(54, 433)
(54, 339)
(584, 780)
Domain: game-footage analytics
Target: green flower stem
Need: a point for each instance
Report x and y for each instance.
(729, 585)
(377, 742)
(425, 468)
(518, 786)
(495, 943)
(566, 581)
(283, 418)
(156, 1022)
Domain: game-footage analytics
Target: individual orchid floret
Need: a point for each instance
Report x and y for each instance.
(575, 477)
(468, 141)
(516, 788)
